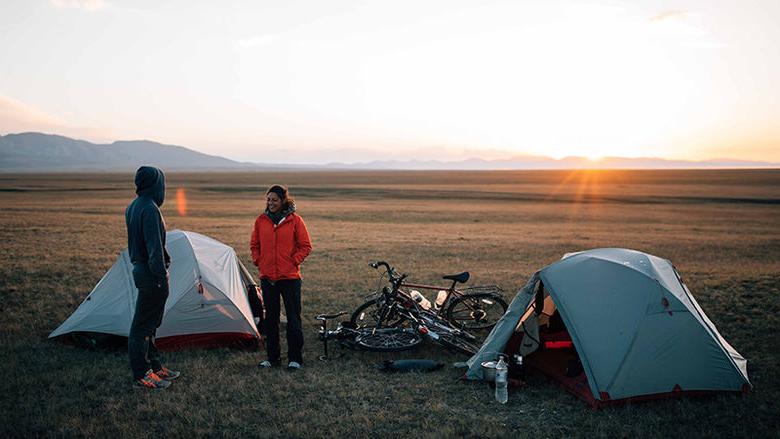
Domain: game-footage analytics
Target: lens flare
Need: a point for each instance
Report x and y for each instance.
(181, 201)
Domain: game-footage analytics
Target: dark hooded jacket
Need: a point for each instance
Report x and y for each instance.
(145, 226)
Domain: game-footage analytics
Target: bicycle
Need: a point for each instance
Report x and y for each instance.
(475, 308)
(395, 307)
(371, 339)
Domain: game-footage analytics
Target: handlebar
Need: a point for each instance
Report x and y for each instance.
(390, 270)
(377, 264)
(395, 278)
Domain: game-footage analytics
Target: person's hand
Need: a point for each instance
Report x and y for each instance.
(164, 282)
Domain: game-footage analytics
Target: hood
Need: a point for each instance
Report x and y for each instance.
(150, 182)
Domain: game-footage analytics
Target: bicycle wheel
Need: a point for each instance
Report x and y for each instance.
(458, 344)
(367, 316)
(388, 339)
(476, 311)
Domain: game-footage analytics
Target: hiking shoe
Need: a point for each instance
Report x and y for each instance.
(268, 364)
(167, 374)
(151, 381)
(292, 365)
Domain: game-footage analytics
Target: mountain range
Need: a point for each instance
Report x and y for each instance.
(46, 152)
(37, 152)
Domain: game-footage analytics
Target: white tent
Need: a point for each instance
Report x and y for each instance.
(207, 301)
(631, 321)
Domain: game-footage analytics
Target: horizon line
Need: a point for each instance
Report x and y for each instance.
(675, 163)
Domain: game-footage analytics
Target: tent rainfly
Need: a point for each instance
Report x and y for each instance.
(615, 325)
(209, 301)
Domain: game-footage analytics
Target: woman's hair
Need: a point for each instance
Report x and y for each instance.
(284, 195)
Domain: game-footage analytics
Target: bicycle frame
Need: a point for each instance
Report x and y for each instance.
(451, 292)
(393, 307)
(433, 324)
(448, 324)
(397, 281)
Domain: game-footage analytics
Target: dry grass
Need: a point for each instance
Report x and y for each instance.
(60, 233)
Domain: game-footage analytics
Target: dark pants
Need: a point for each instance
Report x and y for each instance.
(148, 316)
(290, 292)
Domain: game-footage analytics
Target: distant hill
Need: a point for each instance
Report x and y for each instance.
(46, 152)
(36, 152)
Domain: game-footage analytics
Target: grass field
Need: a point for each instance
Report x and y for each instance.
(60, 233)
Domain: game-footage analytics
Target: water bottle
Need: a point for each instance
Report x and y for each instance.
(440, 296)
(520, 367)
(419, 298)
(502, 394)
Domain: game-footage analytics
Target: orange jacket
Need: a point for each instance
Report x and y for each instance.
(278, 250)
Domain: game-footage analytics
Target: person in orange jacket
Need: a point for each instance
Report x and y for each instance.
(280, 242)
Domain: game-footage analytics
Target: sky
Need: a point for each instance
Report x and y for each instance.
(348, 81)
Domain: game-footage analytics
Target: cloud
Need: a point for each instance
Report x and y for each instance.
(671, 14)
(18, 117)
(687, 28)
(87, 5)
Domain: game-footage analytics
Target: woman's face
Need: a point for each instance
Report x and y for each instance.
(273, 202)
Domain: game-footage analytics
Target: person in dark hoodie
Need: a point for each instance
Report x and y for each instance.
(280, 242)
(146, 246)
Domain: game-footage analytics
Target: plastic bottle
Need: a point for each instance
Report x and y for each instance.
(502, 393)
(520, 367)
(419, 298)
(440, 296)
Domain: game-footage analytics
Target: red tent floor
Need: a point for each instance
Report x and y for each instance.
(554, 362)
(97, 340)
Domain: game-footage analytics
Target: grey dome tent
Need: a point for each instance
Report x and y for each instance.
(613, 325)
(208, 304)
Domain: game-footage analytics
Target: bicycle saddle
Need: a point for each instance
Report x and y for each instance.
(461, 277)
